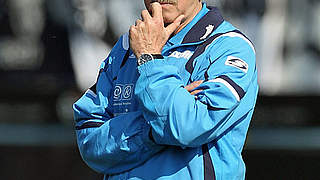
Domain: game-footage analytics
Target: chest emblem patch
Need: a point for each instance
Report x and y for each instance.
(123, 92)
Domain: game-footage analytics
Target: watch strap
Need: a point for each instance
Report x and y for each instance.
(157, 56)
(148, 57)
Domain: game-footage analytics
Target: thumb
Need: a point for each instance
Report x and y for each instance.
(173, 26)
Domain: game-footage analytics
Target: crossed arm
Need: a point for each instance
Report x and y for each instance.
(109, 144)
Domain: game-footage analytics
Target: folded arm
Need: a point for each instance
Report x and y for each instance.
(176, 116)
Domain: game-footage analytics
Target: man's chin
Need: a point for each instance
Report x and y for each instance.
(168, 20)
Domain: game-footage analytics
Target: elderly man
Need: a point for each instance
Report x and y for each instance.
(173, 100)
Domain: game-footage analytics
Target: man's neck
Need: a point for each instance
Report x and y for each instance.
(194, 11)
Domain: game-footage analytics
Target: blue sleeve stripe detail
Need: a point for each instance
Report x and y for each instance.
(202, 47)
(239, 90)
(89, 125)
(199, 50)
(235, 89)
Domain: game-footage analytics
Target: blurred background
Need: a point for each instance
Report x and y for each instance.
(50, 51)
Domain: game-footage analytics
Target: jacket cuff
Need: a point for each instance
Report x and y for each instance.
(146, 67)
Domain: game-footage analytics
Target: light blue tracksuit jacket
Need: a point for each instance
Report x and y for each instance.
(198, 137)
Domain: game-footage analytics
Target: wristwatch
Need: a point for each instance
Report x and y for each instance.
(148, 57)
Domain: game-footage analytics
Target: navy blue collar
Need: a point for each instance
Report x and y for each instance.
(204, 27)
(199, 29)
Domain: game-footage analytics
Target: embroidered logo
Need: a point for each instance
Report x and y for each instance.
(117, 92)
(123, 92)
(186, 54)
(237, 63)
(209, 30)
(127, 92)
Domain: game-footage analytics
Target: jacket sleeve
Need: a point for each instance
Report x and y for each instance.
(178, 118)
(110, 144)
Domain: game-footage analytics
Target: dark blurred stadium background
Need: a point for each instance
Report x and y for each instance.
(50, 51)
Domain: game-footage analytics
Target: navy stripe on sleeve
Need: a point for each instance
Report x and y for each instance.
(239, 90)
(234, 88)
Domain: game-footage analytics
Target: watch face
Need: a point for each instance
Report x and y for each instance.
(144, 58)
(147, 57)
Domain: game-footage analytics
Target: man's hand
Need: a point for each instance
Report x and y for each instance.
(192, 86)
(149, 34)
